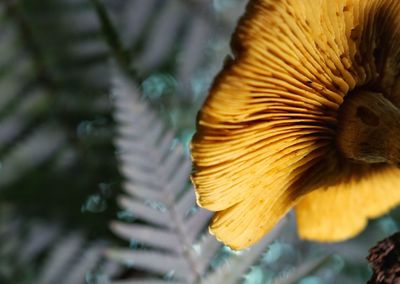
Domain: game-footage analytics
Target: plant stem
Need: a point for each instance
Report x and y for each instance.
(120, 54)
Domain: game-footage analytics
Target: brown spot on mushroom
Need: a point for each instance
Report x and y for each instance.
(367, 116)
(355, 33)
(305, 116)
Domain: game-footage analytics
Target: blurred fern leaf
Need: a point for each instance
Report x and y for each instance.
(168, 225)
(41, 252)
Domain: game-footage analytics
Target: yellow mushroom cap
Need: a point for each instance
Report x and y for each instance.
(265, 140)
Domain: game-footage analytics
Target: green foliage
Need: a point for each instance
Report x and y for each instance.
(58, 118)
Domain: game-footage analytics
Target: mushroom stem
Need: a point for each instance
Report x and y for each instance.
(369, 129)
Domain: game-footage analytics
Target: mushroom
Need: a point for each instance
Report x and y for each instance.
(304, 115)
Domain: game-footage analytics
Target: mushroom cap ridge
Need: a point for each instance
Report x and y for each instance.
(265, 140)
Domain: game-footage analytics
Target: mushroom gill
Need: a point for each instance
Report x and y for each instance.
(276, 130)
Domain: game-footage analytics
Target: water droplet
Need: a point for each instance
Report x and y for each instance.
(193, 210)
(158, 85)
(388, 225)
(186, 137)
(222, 5)
(129, 263)
(197, 88)
(274, 252)
(96, 127)
(174, 144)
(170, 275)
(90, 278)
(84, 128)
(255, 276)
(218, 260)
(337, 263)
(310, 280)
(126, 216)
(156, 205)
(95, 204)
(134, 244)
(197, 249)
(96, 278)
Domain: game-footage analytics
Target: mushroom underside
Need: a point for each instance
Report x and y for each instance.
(267, 135)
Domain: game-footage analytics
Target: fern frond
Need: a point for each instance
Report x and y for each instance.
(169, 227)
(164, 199)
(60, 258)
(31, 152)
(53, 254)
(301, 271)
(165, 32)
(157, 32)
(233, 270)
(52, 67)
